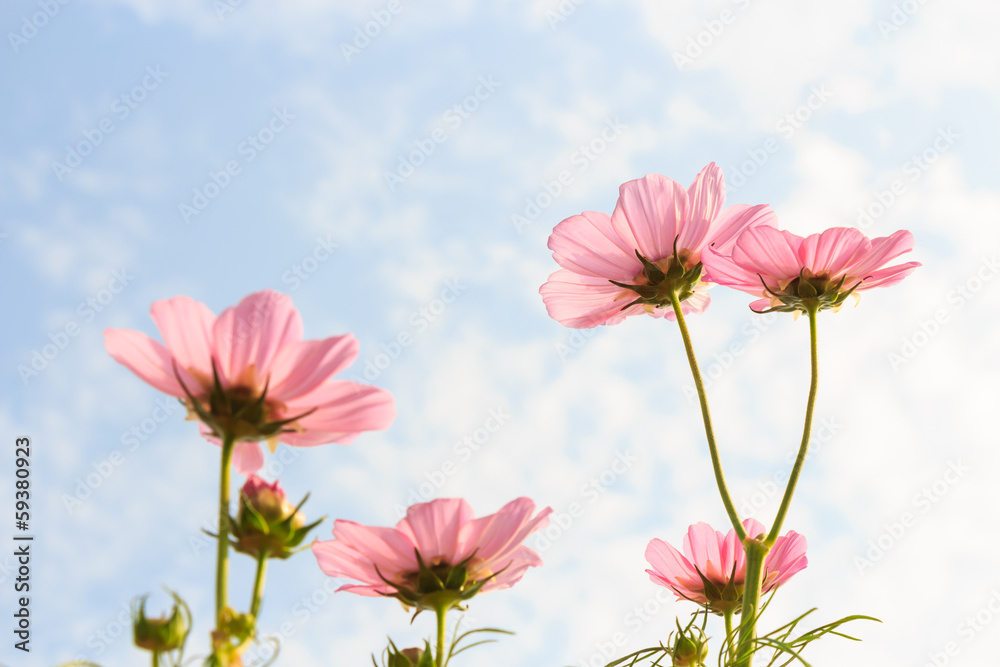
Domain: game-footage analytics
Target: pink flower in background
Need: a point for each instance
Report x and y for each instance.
(248, 373)
(712, 569)
(625, 264)
(790, 272)
(437, 551)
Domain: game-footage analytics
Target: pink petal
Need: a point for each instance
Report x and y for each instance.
(186, 327)
(693, 305)
(723, 270)
(650, 214)
(434, 528)
(247, 458)
(705, 198)
(148, 359)
(770, 252)
(883, 250)
(357, 550)
(340, 406)
(492, 538)
(249, 336)
(701, 544)
(787, 557)
(513, 568)
(888, 276)
(372, 591)
(668, 561)
(304, 365)
(832, 251)
(734, 221)
(753, 527)
(673, 570)
(583, 302)
(588, 245)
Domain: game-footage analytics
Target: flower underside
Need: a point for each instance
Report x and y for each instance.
(659, 280)
(237, 413)
(435, 586)
(809, 292)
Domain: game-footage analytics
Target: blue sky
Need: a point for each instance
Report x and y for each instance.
(403, 189)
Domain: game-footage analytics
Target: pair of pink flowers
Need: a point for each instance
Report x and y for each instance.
(248, 374)
(662, 238)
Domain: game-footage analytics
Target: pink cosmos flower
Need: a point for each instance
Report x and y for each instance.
(437, 551)
(790, 272)
(629, 263)
(248, 372)
(712, 569)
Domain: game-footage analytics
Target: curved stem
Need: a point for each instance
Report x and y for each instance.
(442, 612)
(713, 450)
(258, 585)
(793, 478)
(222, 555)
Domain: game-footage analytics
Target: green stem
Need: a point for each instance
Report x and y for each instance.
(756, 550)
(442, 612)
(258, 585)
(713, 450)
(793, 478)
(222, 559)
(156, 659)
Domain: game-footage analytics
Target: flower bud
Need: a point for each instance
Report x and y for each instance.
(690, 647)
(689, 652)
(164, 634)
(410, 657)
(266, 523)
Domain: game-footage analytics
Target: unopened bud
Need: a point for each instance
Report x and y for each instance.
(164, 634)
